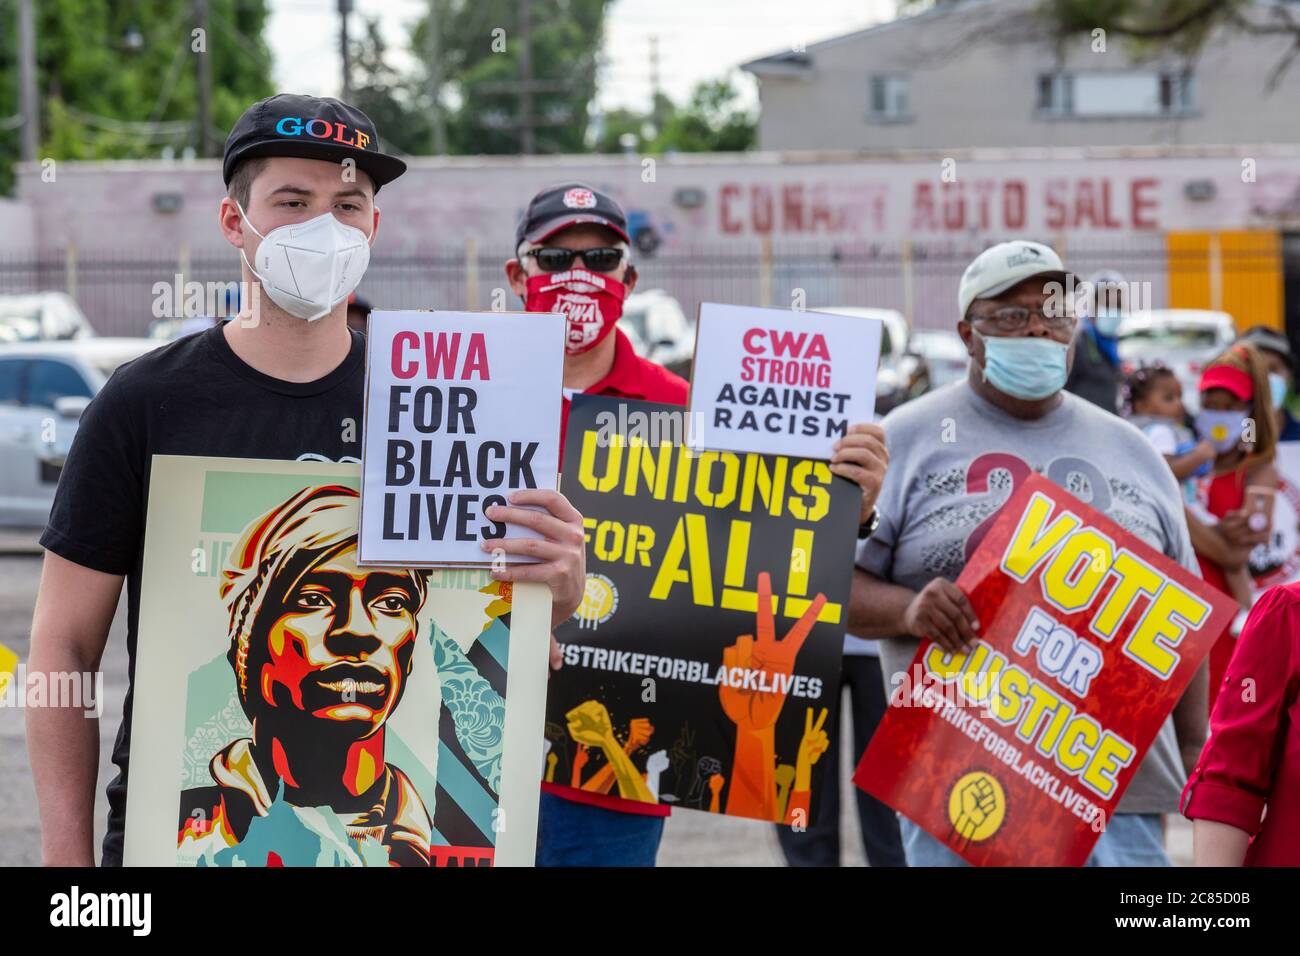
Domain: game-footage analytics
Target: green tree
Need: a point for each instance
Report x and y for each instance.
(479, 76)
(118, 80)
(713, 120)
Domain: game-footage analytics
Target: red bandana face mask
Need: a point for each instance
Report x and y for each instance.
(590, 302)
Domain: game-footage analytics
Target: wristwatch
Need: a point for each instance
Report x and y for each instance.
(868, 527)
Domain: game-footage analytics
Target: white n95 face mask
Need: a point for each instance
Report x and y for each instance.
(309, 267)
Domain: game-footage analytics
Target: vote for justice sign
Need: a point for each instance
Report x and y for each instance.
(775, 381)
(462, 408)
(1017, 753)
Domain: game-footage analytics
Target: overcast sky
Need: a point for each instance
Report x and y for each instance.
(698, 39)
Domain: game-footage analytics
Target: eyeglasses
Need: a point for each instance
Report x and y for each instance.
(557, 259)
(1013, 318)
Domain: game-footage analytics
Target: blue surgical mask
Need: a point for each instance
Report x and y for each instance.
(1022, 366)
(1221, 429)
(1277, 388)
(1107, 322)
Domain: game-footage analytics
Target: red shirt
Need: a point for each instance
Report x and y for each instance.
(629, 377)
(1252, 760)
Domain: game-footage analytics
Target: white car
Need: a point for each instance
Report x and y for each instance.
(41, 316)
(945, 356)
(659, 330)
(903, 373)
(1183, 340)
(44, 388)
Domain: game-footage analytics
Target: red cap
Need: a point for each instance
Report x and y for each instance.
(1234, 380)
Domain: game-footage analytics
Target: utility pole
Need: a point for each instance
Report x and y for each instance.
(527, 140)
(203, 67)
(655, 112)
(438, 121)
(345, 52)
(28, 103)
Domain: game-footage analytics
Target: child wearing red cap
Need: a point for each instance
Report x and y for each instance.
(1224, 529)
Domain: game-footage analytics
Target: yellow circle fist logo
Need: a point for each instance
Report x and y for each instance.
(599, 602)
(976, 806)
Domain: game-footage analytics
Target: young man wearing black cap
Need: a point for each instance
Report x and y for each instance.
(572, 256)
(284, 380)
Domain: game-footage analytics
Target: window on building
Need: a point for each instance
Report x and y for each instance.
(889, 97)
(1131, 93)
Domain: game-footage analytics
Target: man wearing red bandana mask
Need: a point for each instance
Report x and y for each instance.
(572, 256)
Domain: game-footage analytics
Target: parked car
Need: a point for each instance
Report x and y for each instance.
(945, 356)
(903, 373)
(41, 316)
(659, 329)
(1182, 339)
(44, 388)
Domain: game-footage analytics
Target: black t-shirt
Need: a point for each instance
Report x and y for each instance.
(191, 397)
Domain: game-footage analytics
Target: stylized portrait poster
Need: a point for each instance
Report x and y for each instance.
(702, 669)
(293, 708)
(1017, 753)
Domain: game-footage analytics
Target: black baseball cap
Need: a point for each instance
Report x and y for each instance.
(558, 207)
(312, 128)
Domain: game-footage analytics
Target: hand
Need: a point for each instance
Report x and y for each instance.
(978, 800)
(657, 762)
(755, 709)
(861, 457)
(1205, 451)
(815, 740)
(716, 783)
(639, 732)
(942, 612)
(1237, 533)
(579, 761)
(562, 550)
(589, 724)
(557, 655)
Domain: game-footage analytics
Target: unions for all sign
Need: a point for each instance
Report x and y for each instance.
(461, 409)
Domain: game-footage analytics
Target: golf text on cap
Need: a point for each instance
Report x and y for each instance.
(580, 199)
(318, 128)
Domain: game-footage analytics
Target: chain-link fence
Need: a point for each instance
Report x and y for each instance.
(123, 293)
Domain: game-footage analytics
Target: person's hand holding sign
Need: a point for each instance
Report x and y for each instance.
(561, 551)
(861, 457)
(942, 612)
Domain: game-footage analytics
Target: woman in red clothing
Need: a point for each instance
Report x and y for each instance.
(1250, 767)
(1223, 533)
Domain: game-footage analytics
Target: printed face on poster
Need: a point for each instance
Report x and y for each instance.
(293, 707)
(1017, 753)
(781, 382)
(702, 668)
(462, 408)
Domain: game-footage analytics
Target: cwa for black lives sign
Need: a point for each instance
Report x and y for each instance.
(780, 382)
(462, 408)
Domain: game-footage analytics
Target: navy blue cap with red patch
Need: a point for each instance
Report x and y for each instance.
(312, 128)
(558, 207)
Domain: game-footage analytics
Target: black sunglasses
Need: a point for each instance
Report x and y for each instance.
(557, 259)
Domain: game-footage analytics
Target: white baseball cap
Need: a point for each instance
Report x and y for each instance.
(998, 268)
